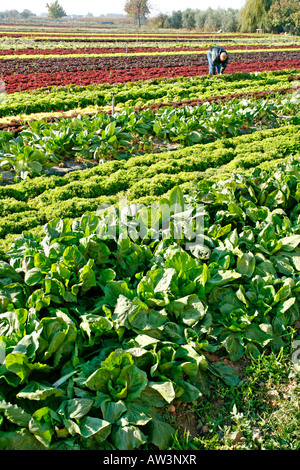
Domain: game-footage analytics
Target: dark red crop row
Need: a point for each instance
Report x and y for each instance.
(22, 82)
(94, 50)
(109, 63)
(123, 50)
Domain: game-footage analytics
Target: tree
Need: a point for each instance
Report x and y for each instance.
(162, 19)
(137, 9)
(253, 15)
(200, 17)
(175, 20)
(55, 10)
(284, 15)
(27, 14)
(188, 19)
(230, 21)
(213, 20)
(11, 14)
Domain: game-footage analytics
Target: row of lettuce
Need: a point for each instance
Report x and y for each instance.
(102, 137)
(144, 93)
(105, 322)
(133, 52)
(23, 46)
(29, 149)
(33, 202)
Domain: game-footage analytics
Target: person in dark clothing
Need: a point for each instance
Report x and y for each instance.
(217, 60)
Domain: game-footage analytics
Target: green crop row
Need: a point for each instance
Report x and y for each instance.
(140, 93)
(269, 143)
(127, 133)
(32, 203)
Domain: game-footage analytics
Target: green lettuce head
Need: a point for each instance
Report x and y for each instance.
(118, 378)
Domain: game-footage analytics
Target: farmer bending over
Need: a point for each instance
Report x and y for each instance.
(217, 59)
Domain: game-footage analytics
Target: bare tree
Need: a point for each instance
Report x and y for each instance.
(55, 10)
(137, 9)
(162, 18)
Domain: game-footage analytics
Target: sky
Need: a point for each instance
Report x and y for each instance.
(98, 8)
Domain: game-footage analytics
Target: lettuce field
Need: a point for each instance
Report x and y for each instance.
(150, 227)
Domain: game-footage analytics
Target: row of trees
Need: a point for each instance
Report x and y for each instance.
(16, 15)
(54, 11)
(271, 15)
(207, 20)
